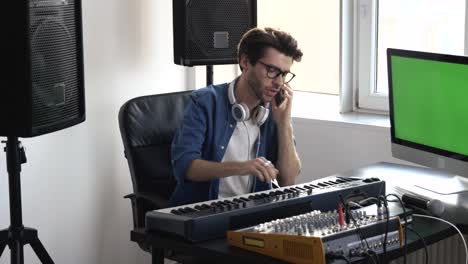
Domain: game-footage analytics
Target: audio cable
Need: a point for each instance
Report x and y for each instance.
(452, 225)
(385, 214)
(358, 230)
(406, 224)
(382, 213)
(335, 256)
(373, 254)
(423, 241)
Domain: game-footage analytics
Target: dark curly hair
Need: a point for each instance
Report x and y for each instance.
(254, 42)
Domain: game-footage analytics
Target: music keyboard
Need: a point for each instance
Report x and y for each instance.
(211, 219)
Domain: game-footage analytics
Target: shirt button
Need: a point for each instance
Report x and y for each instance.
(222, 147)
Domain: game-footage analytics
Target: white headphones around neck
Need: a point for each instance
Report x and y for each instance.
(241, 112)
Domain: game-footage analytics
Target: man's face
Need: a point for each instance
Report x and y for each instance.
(273, 62)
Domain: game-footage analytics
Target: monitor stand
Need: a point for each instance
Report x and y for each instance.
(444, 186)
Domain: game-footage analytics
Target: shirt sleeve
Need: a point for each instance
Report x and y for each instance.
(189, 138)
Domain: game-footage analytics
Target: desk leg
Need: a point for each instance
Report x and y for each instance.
(157, 255)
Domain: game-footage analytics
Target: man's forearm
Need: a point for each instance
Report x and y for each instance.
(202, 170)
(289, 163)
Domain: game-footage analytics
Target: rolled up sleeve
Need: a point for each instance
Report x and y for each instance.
(189, 139)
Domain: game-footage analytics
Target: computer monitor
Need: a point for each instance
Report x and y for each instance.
(428, 95)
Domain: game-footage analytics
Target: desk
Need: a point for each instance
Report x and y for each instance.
(216, 250)
(219, 251)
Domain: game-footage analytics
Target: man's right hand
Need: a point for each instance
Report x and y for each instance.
(261, 168)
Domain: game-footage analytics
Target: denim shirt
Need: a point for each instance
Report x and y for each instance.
(204, 134)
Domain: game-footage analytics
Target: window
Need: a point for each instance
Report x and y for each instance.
(423, 25)
(315, 26)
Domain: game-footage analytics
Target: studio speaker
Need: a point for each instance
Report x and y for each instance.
(42, 83)
(206, 32)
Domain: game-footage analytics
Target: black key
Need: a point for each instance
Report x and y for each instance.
(182, 211)
(222, 203)
(205, 206)
(176, 212)
(348, 179)
(257, 197)
(189, 209)
(218, 204)
(204, 211)
(229, 202)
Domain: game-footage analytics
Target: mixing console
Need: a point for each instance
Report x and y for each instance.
(310, 237)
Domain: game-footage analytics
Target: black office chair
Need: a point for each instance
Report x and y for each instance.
(147, 126)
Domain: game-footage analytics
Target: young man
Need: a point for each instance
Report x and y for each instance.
(235, 137)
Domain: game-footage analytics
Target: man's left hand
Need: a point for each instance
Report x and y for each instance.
(282, 112)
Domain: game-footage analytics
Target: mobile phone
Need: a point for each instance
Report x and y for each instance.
(279, 97)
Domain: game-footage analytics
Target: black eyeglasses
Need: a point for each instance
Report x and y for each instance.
(273, 73)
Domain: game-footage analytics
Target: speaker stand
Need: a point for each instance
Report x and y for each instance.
(16, 236)
(209, 75)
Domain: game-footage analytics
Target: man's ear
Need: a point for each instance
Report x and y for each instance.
(244, 61)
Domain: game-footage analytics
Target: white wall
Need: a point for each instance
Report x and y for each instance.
(328, 147)
(74, 180)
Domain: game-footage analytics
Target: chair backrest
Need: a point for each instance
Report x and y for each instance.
(147, 126)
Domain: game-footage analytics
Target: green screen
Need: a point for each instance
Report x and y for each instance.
(430, 103)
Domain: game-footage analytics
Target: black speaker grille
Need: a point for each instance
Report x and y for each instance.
(54, 62)
(206, 17)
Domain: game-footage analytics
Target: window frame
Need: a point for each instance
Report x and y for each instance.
(365, 33)
(366, 15)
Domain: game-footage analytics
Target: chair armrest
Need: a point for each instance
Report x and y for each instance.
(155, 199)
(130, 196)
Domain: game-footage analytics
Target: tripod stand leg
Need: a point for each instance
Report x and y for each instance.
(16, 236)
(2, 247)
(16, 251)
(3, 240)
(41, 252)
